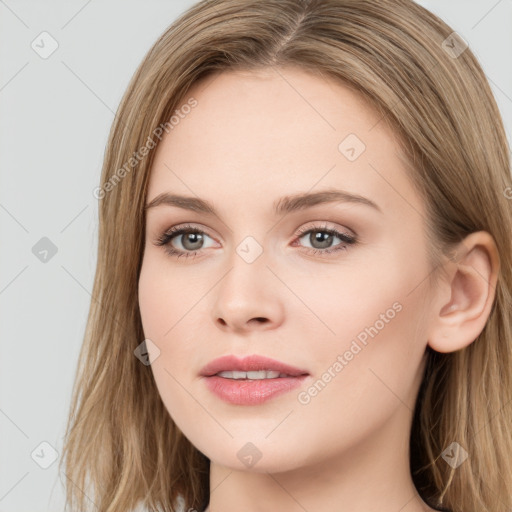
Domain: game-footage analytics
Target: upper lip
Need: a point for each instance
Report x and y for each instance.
(249, 363)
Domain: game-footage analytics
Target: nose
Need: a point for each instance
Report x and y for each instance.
(249, 297)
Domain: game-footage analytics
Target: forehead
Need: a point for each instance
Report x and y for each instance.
(274, 132)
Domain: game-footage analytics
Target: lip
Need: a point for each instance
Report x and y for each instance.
(249, 363)
(250, 392)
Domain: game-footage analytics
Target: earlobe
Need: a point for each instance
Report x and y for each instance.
(471, 284)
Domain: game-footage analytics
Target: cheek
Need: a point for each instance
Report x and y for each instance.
(152, 298)
(170, 302)
(378, 316)
(376, 322)
(165, 296)
(161, 310)
(348, 299)
(370, 370)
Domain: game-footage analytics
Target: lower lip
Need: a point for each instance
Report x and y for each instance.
(251, 392)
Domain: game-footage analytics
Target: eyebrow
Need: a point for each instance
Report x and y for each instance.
(284, 205)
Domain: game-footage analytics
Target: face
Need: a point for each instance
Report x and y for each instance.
(334, 286)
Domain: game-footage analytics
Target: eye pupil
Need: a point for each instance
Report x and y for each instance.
(323, 237)
(194, 238)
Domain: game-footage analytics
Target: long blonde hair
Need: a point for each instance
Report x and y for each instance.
(122, 450)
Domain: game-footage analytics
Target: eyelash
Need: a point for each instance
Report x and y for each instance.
(165, 238)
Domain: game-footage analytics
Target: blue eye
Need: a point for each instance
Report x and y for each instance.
(324, 236)
(192, 237)
(192, 240)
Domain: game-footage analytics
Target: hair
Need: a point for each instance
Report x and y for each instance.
(122, 449)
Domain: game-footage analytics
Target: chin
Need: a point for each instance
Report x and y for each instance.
(255, 454)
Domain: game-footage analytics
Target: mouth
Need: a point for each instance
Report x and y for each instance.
(252, 380)
(254, 375)
(250, 367)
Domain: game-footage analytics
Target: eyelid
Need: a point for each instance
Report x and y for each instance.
(177, 230)
(349, 233)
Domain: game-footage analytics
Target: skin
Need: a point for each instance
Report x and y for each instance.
(252, 139)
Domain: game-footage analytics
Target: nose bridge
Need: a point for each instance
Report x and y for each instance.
(248, 266)
(248, 244)
(250, 250)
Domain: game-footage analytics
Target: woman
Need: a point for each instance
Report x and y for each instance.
(303, 289)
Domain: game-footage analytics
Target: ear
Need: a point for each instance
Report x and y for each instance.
(464, 299)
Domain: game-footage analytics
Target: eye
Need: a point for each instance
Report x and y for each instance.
(192, 240)
(322, 237)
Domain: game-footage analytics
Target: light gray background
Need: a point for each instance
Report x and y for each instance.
(55, 117)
